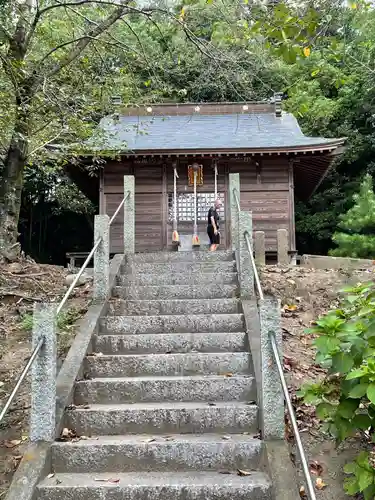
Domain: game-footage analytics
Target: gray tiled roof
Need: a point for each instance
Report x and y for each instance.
(206, 132)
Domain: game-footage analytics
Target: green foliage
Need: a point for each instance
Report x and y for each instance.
(320, 55)
(65, 320)
(362, 476)
(357, 226)
(345, 398)
(330, 88)
(27, 322)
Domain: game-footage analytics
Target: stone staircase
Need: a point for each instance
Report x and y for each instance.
(166, 409)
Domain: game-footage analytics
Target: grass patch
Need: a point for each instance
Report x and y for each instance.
(27, 322)
(65, 319)
(65, 323)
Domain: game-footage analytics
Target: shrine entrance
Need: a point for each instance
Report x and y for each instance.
(188, 204)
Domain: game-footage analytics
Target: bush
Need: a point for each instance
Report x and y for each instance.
(345, 398)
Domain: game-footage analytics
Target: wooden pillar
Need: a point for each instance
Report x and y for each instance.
(164, 207)
(292, 223)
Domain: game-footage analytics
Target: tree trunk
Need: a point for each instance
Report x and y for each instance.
(11, 183)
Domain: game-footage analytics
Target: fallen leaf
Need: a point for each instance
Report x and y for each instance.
(302, 493)
(149, 440)
(16, 460)
(241, 472)
(12, 444)
(109, 480)
(316, 468)
(320, 484)
(290, 307)
(51, 475)
(68, 434)
(228, 374)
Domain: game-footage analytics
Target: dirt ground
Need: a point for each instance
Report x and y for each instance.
(21, 284)
(313, 292)
(305, 294)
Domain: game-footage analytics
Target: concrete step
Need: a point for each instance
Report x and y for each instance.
(199, 256)
(159, 365)
(157, 389)
(179, 267)
(188, 278)
(156, 486)
(193, 323)
(170, 343)
(163, 418)
(181, 291)
(166, 453)
(163, 307)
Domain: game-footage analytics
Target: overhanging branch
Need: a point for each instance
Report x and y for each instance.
(85, 40)
(61, 46)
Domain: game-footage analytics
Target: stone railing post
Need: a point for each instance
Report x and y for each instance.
(260, 248)
(43, 375)
(129, 214)
(282, 247)
(246, 271)
(234, 183)
(101, 258)
(271, 393)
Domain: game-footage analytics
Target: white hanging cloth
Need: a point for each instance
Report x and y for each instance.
(175, 236)
(195, 203)
(215, 171)
(175, 177)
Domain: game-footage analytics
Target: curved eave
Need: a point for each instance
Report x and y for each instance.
(310, 164)
(319, 147)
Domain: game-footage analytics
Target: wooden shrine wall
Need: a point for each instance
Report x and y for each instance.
(266, 190)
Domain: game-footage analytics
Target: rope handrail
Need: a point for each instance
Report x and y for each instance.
(119, 208)
(78, 275)
(276, 355)
(37, 348)
(89, 257)
(297, 435)
(256, 275)
(40, 343)
(247, 239)
(21, 378)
